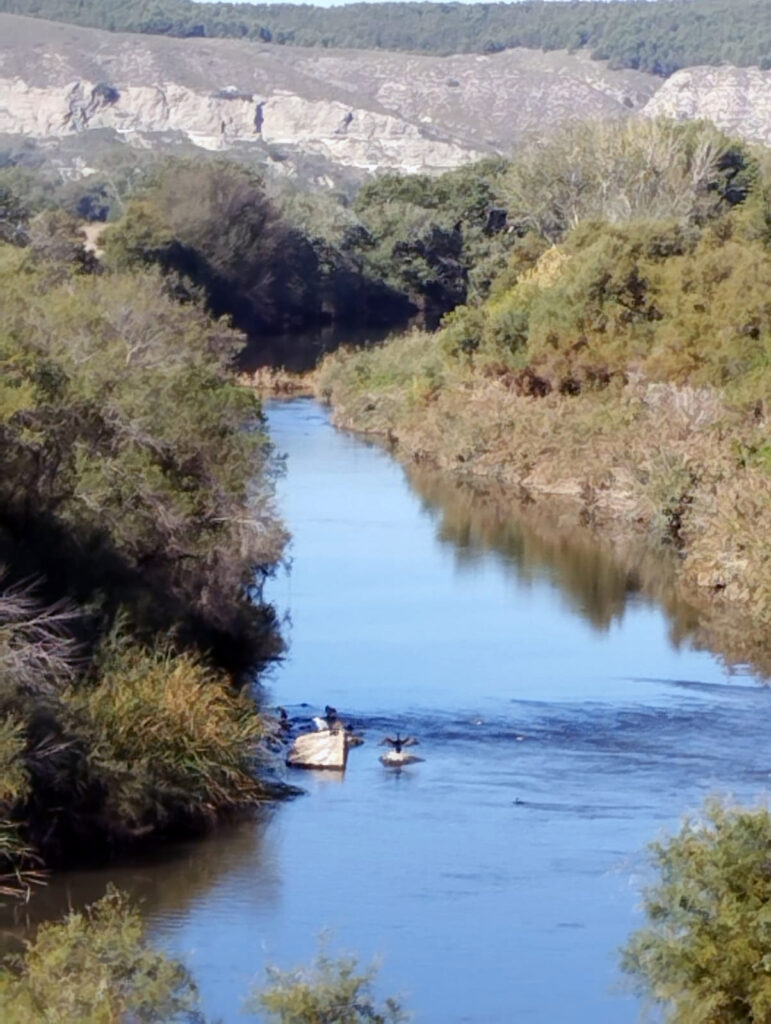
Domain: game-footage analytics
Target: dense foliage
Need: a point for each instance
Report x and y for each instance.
(633, 304)
(259, 259)
(136, 492)
(657, 37)
(96, 966)
(124, 451)
(276, 262)
(705, 953)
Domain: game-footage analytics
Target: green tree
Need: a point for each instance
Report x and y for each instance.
(214, 228)
(706, 951)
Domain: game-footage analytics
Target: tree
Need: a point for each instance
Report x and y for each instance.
(214, 227)
(706, 952)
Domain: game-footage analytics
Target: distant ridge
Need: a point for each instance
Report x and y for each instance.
(659, 37)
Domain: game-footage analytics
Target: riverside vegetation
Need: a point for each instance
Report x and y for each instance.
(136, 517)
(703, 956)
(605, 329)
(136, 525)
(96, 966)
(620, 355)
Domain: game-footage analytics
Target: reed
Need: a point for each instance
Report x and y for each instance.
(169, 743)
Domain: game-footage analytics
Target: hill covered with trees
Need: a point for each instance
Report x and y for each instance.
(660, 37)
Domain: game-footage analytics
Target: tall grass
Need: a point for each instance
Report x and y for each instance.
(169, 742)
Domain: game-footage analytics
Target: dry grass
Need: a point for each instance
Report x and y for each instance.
(275, 382)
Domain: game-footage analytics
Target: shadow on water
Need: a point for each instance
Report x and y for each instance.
(166, 882)
(302, 350)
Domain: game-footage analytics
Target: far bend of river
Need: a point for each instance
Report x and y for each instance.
(527, 678)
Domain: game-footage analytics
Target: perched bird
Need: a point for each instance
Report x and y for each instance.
(328, 720)
(397, 757)
(283, 720)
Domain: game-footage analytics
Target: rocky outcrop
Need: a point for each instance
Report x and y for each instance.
(364, 138)
(738, 100)
(354, 109)
(351, 109)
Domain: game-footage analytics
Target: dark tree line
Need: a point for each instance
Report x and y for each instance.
(659, 37)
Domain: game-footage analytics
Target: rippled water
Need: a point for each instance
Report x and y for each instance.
(561, 727)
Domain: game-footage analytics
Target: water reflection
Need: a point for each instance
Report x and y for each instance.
(168, 882)
(533, 540)
(302, 350)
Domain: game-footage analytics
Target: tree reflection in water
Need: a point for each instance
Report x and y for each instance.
(166, 882)
(598, 570)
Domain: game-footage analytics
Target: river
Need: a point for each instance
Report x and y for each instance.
(563, 720)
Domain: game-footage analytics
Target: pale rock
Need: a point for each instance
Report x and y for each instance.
(737, 100)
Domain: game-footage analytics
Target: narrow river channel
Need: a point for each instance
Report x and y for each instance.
(562, 729)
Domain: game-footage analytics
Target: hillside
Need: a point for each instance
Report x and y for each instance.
(368, 111)
(315, 114)
(659, 37)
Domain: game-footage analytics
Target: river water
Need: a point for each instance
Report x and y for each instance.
(562, 728)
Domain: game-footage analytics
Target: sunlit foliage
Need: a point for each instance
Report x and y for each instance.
(95, 967)
(329, 992)
(171, 743)
(705, 953)
(617, 172)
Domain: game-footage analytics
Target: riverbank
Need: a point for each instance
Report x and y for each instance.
(674, 465)
(464, 627)
(137, 529)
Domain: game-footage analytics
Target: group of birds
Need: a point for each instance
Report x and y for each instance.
(396, 757)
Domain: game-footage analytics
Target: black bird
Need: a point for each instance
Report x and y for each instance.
(396, 757)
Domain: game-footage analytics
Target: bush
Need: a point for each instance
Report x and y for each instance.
(169, 742)
(625, 171)
(706, 953)
(132, 466)
(330, 992)
(96, 968)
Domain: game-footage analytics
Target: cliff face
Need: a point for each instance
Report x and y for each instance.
(738, 100)
(353, 109)
(356, 109)
(351, 136)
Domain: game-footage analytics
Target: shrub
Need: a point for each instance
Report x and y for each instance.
(624, 171)
(706, 952)
(330, 992)
(95, 967)
(169, 742)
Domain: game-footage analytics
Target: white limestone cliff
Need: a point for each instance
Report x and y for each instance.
(738, 100)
